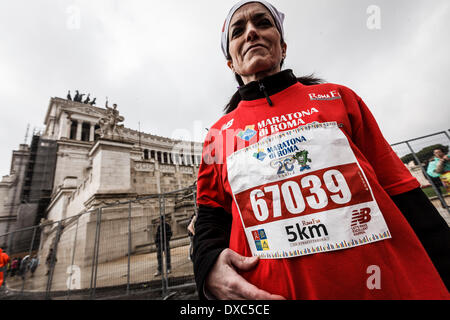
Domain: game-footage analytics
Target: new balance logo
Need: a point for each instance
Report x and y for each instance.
(360, 218)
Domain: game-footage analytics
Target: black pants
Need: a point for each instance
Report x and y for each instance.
(159, 256)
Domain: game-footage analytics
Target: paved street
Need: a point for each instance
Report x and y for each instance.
(112, 274)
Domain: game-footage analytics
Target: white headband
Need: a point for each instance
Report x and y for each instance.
(277, 15)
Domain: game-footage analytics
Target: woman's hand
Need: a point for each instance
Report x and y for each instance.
(226, 284)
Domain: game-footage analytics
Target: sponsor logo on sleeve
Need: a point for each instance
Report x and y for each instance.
(332, 95)
(227, 125)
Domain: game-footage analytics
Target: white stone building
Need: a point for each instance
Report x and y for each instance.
(88, 172)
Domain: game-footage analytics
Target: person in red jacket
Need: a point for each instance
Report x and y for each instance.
(4, 259)
(299, 194)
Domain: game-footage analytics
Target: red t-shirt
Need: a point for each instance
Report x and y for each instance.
(307, 182)
(4, 258)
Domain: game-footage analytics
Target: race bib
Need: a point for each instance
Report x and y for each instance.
(302, 192)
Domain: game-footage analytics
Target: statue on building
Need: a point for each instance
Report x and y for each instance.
(109, 125)
(69, 97)
(92, 103)
(88, 99)
(77, 96)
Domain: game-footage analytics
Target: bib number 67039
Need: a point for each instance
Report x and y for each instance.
(291, 195)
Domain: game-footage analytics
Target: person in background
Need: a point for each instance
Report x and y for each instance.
(8, 269)
(14, 266)
(439, 167)
(4, 259)
(191, 233)
(162, 241)
(33, 265)
(24, 266)
(50, 261)
(19, 262)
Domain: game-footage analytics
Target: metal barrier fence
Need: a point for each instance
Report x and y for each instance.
(418, 153)
(115, 250)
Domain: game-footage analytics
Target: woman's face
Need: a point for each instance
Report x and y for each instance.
(254, 43)
(438, 153)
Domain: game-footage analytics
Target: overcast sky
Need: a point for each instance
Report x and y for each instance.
(161, 62)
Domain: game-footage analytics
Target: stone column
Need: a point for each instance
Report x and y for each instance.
(62, 126)
(178, 175)
(68, 128)
(79, 128)
(92, 132)
(50, 129)
(157, 175)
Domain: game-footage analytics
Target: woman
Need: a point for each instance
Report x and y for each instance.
(297, 187)
(439, 167)
(4, 259)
